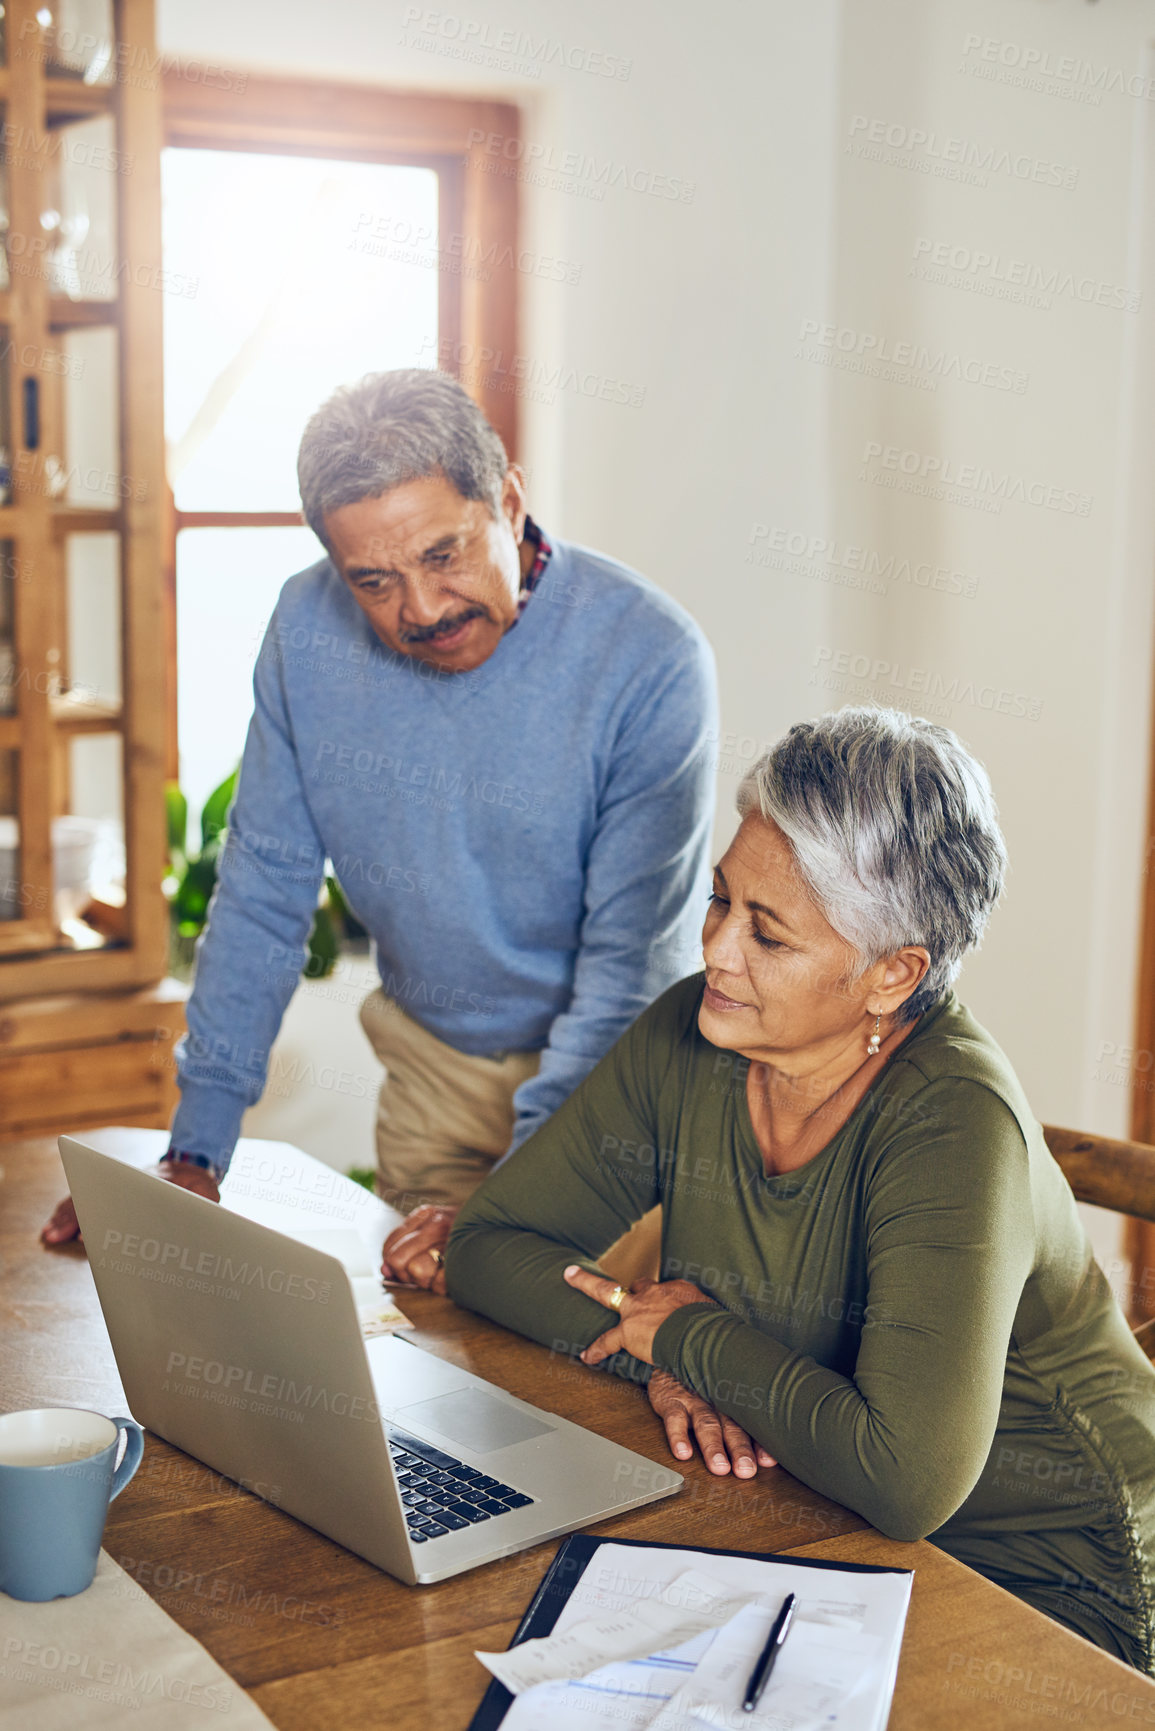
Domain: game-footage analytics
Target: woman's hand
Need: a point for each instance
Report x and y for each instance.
(641, 1311)
(723, 1443)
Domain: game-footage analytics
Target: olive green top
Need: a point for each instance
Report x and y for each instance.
(912, 1322)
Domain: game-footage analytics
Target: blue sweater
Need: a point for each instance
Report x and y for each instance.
(527, 843)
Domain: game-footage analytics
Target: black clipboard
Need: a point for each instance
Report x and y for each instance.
(566, 1570)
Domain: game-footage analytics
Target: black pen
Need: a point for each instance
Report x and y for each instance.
(760, 1675)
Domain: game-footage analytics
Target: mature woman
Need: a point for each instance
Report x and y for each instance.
(872, 1269)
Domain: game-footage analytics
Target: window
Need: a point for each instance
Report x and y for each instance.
(311, 234)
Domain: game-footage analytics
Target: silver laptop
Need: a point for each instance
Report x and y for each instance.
(243, 1346)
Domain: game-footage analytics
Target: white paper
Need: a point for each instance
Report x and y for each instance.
(342, 1242)
(107, 1658)
(625, 1696)
(836, 1668)
(817, 1670)
(621, 1575)
(377, 1311)
(694, 1601)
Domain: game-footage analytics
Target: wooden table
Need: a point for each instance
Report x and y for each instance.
(323, 1640)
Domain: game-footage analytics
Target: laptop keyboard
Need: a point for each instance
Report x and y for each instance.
(443, 1495)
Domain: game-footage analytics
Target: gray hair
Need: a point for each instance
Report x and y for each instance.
(894, 830)
(396, 427)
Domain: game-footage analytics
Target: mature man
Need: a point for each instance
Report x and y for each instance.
(452, 703)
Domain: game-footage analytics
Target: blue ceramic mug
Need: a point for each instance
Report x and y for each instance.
(58, 1474)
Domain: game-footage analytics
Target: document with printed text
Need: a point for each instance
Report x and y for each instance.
(665, 1640)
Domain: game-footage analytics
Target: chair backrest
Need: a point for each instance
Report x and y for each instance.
(1116, 1175)
(1110, 1174)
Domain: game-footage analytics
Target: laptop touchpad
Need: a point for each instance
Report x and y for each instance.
(473, 1419)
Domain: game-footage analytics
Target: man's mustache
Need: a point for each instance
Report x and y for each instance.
(443, 627)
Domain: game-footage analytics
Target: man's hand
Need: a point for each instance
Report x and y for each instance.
(641, 1312)
(414, 1252)
(724, 1444)
(64, 1226)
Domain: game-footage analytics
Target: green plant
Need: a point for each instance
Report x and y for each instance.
(192, 878)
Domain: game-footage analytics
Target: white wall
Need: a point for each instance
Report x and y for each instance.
(1062, 615)
(746, 429)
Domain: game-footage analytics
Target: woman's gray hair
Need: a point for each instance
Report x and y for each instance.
(397, 427)
(895, 833)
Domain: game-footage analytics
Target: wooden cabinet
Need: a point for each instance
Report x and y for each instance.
(81, 1059)
(85, 1030)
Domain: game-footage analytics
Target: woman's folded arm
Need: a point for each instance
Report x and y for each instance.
(949, 1244)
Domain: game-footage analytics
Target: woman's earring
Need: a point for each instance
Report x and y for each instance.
(875, 1040)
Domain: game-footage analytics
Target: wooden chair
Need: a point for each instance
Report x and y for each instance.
(1109, 1174)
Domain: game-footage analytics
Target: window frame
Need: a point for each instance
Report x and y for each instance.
(367, 123)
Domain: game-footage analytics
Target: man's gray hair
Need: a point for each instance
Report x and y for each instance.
(396, 427)
(895, 833)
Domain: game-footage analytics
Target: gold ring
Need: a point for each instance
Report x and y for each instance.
(437, 1257)
(615, 1298)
